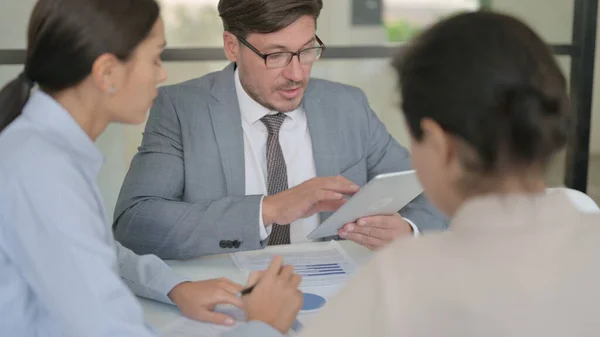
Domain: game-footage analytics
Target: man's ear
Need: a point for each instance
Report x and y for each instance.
(232, 46)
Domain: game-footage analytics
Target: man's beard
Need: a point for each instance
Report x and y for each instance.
(289, 85)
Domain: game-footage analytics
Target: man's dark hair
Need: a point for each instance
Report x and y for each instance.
(244, 17)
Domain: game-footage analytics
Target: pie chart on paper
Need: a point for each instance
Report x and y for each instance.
(312, 302)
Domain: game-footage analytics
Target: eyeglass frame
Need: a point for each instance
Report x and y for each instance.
(321, 46)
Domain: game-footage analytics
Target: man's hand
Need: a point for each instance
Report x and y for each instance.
(197, 300)
(376, 231)
(316, 195)
(275, 299)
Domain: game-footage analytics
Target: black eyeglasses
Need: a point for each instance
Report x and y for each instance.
(282, 59)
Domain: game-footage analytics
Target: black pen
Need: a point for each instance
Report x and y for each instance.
(249, 289)
(246, 291)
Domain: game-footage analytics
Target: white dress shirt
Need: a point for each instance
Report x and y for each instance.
(296, 145)
(61, 271)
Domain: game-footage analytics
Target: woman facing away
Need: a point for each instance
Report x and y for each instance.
(61, 273)
(486, 105)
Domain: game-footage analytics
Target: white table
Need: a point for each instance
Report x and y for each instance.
(159, 315)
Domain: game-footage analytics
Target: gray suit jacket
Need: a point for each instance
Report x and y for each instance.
(184, 195)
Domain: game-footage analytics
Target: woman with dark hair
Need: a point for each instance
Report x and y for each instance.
(486, 105)
(89, 63)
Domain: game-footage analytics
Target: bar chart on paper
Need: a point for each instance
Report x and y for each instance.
(318, 265)
(319, 269)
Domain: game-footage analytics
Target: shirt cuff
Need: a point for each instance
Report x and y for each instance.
(265, 231)
(164, 283)
(415, 229)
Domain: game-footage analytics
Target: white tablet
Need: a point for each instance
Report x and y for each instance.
(385, 194)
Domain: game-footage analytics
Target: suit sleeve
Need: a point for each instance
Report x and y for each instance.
(385, 155)
(151, 216)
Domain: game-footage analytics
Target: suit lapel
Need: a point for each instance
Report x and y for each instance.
(322, 132)
(227, 125)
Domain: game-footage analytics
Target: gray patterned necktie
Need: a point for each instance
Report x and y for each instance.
(277, 173)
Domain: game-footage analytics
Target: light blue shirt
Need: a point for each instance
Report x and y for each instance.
(61, 272)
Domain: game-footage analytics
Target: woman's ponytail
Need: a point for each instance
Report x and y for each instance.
(13, 98)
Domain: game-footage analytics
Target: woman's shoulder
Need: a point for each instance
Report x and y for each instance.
(26, 150)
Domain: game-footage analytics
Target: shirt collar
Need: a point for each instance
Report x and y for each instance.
(251, 110)
(42, 109)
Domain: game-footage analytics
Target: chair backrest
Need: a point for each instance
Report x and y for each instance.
(581, 200)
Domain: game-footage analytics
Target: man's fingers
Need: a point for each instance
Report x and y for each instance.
(373, 221)
(340, 179)
(322, 195)
(364, 240)
(215, 317)
(345, 234)
(381, 234)
(338, 184)
(330, 205)
(371, 247)
(333, 188)
(349, 227)
(382, 221)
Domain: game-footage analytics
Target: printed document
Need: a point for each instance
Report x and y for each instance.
(319, 265)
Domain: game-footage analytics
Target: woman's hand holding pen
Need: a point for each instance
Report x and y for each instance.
(275, 298)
